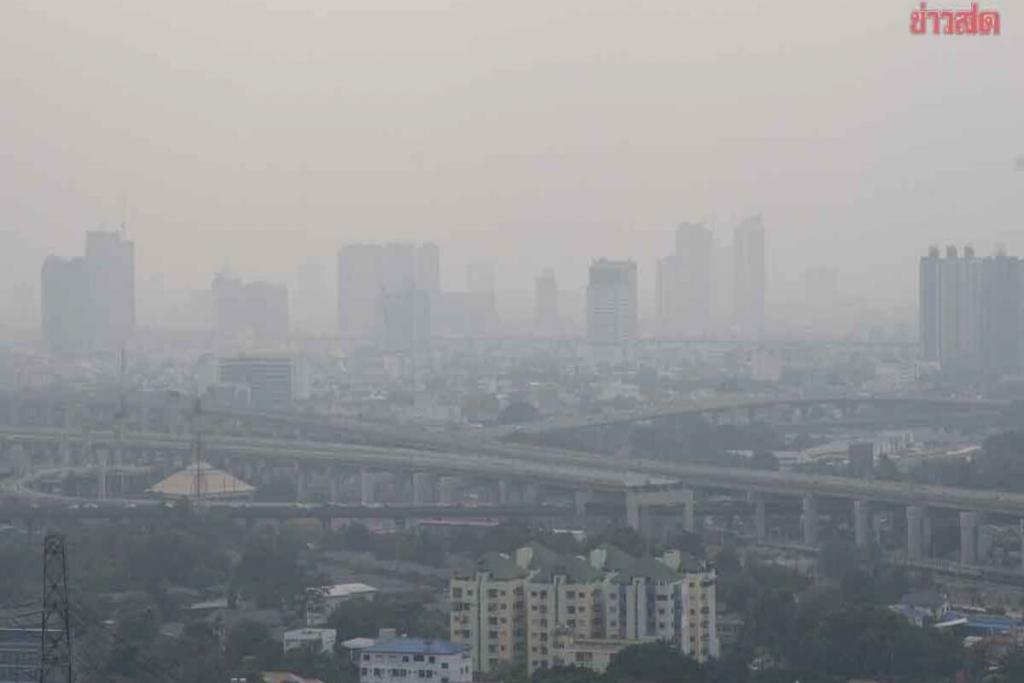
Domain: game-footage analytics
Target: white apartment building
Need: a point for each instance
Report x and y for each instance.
(530, 605)
(323, 600)
(488, 611)
(400, 660)
(317, 639)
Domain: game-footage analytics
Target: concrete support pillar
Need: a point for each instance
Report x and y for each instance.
(689, 511)
(18, 458)
(504, 492)
(334, 485)
(1022, 544)
(862, 532)
(64, 451)
(986, 536)
(810, 520)
(969, 522)
(301, 475)
(367, 487)
(103, 455)
(760, 520)
(633, 511)
(915, 524)
(531, 494)
(926, 535)
(448, 490)
(580, 500)
(424, 488)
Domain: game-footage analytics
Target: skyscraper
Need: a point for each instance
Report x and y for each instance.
(545, 303)
(371, 277)
(684, 289)
(88, 303)
(250, 312)
(612, 304)
(930, 313)
(970, 311)
(749, 274)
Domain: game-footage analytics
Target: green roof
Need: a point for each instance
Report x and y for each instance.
(628, 567)
(500, 567)
(548, 563)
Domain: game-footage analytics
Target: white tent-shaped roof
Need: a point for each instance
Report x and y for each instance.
(211, 483)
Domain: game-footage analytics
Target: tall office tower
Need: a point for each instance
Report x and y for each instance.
(403, 320)
(971, 317)
(428, 269)
(545, 303)
(65, 314)
(1002, 314)
(749, 274)
(110, 269)
(250, 312)
(930, 313)
(684, 283)
(372, 275)
(88, 303)
(612, 305)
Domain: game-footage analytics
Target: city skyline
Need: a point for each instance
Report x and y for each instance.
(835, 180)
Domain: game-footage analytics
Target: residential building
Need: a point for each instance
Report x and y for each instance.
(538, 605)
(88, 302)
(399, 660)
(315, 639)
(322, 601)
(488, 612)
(612, 306)
(592, 654)
(748, 250)
(970, 311)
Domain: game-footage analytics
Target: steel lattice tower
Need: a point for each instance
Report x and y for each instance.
(55, 655)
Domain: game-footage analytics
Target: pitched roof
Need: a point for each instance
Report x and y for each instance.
(415, 646)
(211, 482)
(500, 567)
(549, 563)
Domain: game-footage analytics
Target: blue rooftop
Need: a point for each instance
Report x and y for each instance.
(415, 646)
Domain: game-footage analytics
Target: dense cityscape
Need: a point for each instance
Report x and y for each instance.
(573, 397)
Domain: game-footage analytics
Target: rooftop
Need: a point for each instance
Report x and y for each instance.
(415, 646)
(209, 482)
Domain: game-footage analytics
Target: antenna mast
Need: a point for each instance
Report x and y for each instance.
(55, 655)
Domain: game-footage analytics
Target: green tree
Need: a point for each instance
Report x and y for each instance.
(653, 663)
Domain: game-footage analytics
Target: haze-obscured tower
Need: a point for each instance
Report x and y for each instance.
(612, 305)
(749, 274)
(88, 303)
(250, 312)
(970, 311)
(384, 288)
(545, 303)
(684, 283)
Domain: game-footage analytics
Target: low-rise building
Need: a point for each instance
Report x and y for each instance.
(322, 601)
(593, 654)
(316, 639)
(400, 660)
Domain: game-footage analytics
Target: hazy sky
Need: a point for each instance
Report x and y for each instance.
(263, 135)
